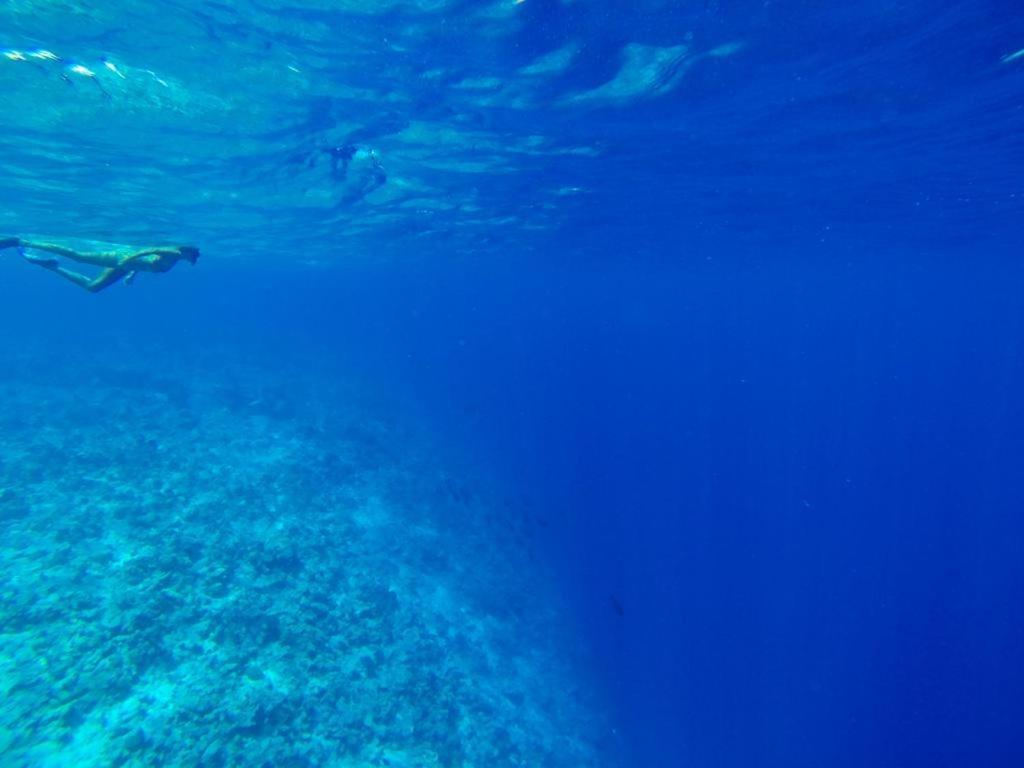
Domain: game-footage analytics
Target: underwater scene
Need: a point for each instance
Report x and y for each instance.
(511, 383)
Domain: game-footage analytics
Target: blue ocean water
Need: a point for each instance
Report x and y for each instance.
(562, 383)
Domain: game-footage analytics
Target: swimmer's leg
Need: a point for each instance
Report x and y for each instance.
(96, 259)
(104, 279)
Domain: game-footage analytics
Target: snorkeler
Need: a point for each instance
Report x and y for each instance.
(116, 266)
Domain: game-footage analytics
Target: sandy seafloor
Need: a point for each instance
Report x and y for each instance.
(208, 560)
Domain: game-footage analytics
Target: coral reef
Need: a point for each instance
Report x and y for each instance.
(221, 565)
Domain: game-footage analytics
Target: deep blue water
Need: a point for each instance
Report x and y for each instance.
(744, 336)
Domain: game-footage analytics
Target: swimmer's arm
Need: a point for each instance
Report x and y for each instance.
(134, 258)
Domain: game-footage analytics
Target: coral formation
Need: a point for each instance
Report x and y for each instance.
(220, 565)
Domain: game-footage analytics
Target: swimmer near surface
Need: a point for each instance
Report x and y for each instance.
(115, 266)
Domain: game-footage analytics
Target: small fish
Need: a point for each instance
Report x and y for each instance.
(1012, 56)
(617, 606)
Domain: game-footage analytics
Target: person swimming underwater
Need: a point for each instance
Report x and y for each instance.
(116, 266)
